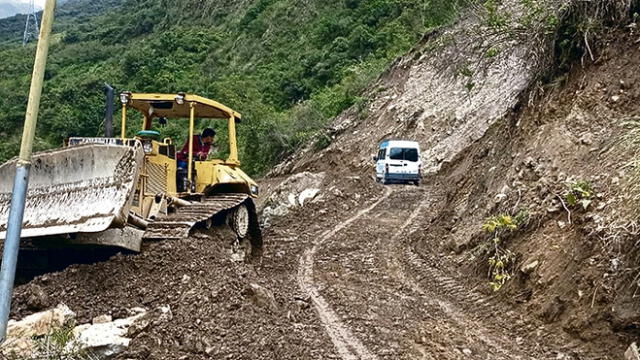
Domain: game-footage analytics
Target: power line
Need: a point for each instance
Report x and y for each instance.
(31, 29)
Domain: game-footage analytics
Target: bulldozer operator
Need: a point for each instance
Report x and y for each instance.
(202, 145)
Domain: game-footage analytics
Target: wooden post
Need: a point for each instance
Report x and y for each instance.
(21, 180)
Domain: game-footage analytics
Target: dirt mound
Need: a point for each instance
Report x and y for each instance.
(216, 303)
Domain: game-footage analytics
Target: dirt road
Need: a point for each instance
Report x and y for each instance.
(378, 300)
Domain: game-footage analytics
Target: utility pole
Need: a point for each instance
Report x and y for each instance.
(31, 26)
(23, 165)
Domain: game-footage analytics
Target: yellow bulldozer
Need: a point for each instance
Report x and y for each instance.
(119, 191)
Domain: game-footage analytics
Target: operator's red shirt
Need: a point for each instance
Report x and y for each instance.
(200, 150)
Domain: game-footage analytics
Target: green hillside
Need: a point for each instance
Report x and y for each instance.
(288, 66)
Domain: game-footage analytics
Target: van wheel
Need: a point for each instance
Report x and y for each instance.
(417, 182)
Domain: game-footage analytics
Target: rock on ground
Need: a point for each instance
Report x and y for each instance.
(20, 334)
(104, 339)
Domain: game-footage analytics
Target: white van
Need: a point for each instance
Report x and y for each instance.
(398, 161)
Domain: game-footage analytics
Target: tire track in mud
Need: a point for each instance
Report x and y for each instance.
(396, 268)
(387, 270)
(347, 344)
(414, 297)
(404, 256)
(411, 295)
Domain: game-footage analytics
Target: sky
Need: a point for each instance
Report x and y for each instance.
(23, 3)
(11, 7)
(39, 3)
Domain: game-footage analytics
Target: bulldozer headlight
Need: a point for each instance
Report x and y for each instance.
(147, 147)
(254, 190)
(124, 98)
(180, 98)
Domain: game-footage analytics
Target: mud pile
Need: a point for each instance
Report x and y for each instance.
(219, 307)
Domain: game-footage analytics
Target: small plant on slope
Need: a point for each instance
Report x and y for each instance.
(579, 193)
(501, 262)
(59, 344)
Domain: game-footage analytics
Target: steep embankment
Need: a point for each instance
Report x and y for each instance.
(573, 268)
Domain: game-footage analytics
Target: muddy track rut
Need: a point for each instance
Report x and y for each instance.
(378, 300)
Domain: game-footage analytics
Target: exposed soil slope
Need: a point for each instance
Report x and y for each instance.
(584, 283)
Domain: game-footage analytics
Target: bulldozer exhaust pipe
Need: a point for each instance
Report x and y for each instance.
(21, 180)
(108, 116)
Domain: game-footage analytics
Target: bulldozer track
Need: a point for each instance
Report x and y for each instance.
(449, 293)
(177, 225)
(484, 306)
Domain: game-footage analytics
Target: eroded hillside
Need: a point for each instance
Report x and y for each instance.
(514, 130)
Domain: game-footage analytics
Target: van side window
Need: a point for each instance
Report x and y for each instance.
(382, 154)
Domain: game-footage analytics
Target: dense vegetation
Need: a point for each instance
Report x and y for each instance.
(287, 65)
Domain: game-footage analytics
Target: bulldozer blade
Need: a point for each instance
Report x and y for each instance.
(86, 188)
(128, 238)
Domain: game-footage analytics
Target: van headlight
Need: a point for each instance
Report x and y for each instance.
(254, 190)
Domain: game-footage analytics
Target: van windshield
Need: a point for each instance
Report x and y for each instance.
(409, 154)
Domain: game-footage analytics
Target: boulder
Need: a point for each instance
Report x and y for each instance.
(17, 347)
(20, 334)
(295, 191)
(632, 352)
(261, 296)
(138, 326)
(530, 267)
(307, 194)
(105, 340)
(101, 319)
(41, 323)
(164, 313)
(37, 299)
